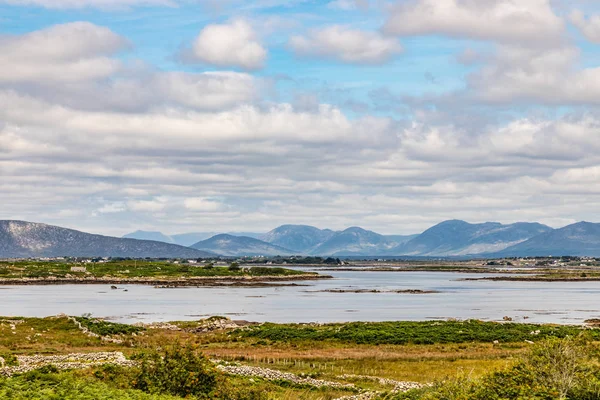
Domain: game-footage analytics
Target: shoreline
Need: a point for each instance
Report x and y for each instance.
(171, 282)
(534, 279)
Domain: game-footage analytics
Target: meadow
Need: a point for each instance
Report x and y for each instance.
(456, 359)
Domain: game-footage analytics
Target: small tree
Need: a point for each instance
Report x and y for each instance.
(177, 370)
(234, 266)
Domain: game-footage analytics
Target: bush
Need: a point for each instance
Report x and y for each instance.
(234, 267)
(176, 370)
(104, 328)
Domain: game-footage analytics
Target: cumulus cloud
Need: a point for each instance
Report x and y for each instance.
(202, 204)
(509, 21)
(549, 76)
(81, 70)
(347, 45)
(72, 52)
(135, 146)
(232, 44)
(590, 27)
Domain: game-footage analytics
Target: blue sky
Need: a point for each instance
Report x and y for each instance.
(196, 115)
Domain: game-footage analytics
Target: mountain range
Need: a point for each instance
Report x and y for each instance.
(28, 239)
(459, 238)
(184, 239)
(446, 239)
(580, 239)
(452, 238)
(229, 245)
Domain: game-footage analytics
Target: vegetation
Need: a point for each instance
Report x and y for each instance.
(400, 333)
(297, 260)
(177, 370)
(124, 269)
(174, 364)
(553, 369)
(105, 328)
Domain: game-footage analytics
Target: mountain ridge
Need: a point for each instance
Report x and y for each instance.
(22, 239)
(460, 238)
(578, 239)
(451, 238)
(230, 245)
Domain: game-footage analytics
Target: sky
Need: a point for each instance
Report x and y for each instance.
(230, 115)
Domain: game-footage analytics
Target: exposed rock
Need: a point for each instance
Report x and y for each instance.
(274, 375)
(64, 362)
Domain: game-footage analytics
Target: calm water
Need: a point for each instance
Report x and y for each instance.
(559, 302)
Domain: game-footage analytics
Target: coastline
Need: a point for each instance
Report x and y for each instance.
(170, 282)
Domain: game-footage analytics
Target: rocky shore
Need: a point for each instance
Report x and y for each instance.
(403, 291)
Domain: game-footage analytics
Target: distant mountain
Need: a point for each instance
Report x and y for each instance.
(188, 239)
(300, 238)
(230, 245)
(183, 239)
(580, 239)
(148, 235)
(458, 238)
(28, 239)
(399, 239)
(354, 241)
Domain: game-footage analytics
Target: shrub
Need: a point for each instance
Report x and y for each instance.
(176, 370)
(104, 328)
(234, 266)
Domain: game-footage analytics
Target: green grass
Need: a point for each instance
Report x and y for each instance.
(64, 386)
(410, 332)
(104, 328)
(561, 369)
(130, 269)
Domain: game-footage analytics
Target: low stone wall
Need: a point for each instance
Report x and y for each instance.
(69, 361)
(274, 375)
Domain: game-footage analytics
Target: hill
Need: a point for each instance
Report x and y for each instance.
(19, 239)
(300, 238)
(148, 235)
(354, 241)
(229, 245)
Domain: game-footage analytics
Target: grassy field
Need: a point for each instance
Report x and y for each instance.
(425, 352)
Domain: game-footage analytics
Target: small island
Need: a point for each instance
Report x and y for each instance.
(163, 273)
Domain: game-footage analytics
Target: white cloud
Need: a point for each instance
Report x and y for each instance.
(112, 208)
(549, 76)
(530, 22)
(346, 45)
(177, 150)
(202, 204)
(153, 205)
(72, 52)
(590, 27)
(208, 90)
(103, 4)
(233, 44)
